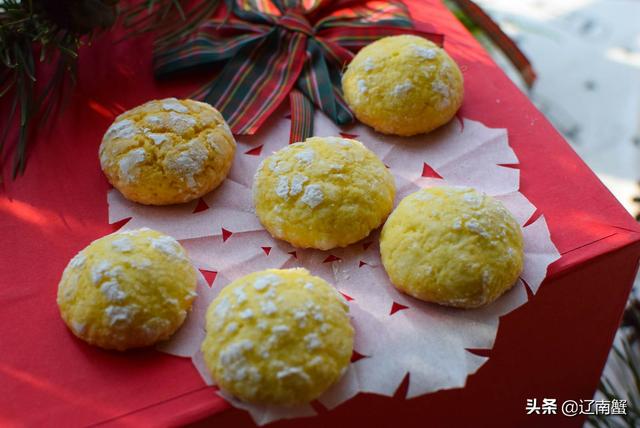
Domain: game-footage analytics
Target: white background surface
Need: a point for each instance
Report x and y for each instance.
(587, 57)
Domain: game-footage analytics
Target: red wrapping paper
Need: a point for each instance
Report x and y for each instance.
(555, 346)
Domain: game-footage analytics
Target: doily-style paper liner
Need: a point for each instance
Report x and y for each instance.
(395, 333)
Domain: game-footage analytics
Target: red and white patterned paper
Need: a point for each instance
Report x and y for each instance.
(396, 334)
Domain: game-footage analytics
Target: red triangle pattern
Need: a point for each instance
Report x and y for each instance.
(480, 352)
(355, 356)
(294, 254)
(510, 165)
(346, 296)
(397, 307)
(350, 136)
(427, 171)
(209, 275)
(362, 263)
(202, 206)
(119, 224)
(255, 151)
(331, 258)
(266, 250)
(226, 234)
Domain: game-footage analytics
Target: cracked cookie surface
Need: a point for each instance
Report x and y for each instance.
(167, 151)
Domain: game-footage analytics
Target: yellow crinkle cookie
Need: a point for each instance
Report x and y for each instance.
(323, 193)
(452, 246)
(278, 337)
(403, 85)
(167, 151)
(127, 290)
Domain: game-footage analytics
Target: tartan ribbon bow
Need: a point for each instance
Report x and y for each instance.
(271, 49)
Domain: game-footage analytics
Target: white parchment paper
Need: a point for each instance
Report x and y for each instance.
(430, 342)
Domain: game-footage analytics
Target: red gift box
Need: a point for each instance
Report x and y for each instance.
(555, 346)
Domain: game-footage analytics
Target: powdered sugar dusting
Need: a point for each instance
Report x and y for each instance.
(122, 129)
(402, 88)
(235, 351)
(268, 307)
(265, 281)
(457, 224)
(368, 64)
(297, 182)
(129, 162)
(181, 123)
(474, 226)
(313, 195)
(140, 264)
(232, 327)
(167, 245)
(293, 371)
(428, 70)
(233, 359)
(174, 105)
(422, 52)
(222, 308)
(123, 244)
(158, 138)
(313, 341)
(154, 120)
(362, 86)
(78, 327)
(305, 157)
(189, 162)
(247, 313)
(472, 199)
(486, 277)
(279, 166)
(441, 88)
(99, 271)
(282, 188)
(112, 291)
(241, 296)
(78, 260)
(117, 314)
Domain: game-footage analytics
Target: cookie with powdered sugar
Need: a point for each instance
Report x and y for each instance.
(127, 290)
(403, 85)
(453, 246)
(323, 193)
(167, 151)
(278, 337)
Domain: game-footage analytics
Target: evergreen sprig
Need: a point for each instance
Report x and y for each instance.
(36, 32)
(159, 16)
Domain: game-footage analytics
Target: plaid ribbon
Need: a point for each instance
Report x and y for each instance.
(271, 49)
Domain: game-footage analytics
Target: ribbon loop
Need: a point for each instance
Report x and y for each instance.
(294, 21)
(273, 47)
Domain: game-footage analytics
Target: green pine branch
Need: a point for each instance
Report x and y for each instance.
(34, 32)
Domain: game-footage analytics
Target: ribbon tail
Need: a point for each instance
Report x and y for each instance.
(215, 41)
(356, 36)
(320, 82)
(301, 117)
(257, 79)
